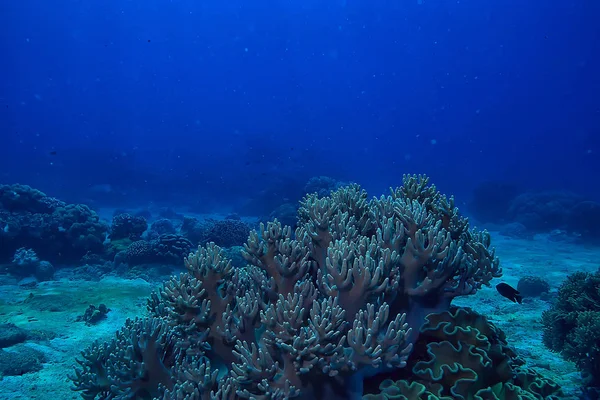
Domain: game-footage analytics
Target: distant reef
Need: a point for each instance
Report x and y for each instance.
(536, 211)
(58, 232)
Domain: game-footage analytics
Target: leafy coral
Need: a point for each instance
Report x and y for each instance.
(319, 310)
(461, 355)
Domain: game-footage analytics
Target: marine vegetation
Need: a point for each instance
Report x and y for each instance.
(314, 314)
(572, 324)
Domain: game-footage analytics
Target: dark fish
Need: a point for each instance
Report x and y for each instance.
(53, 153)
(509, 292)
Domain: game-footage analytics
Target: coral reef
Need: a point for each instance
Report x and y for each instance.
(572, 324)
(557, 210)
(228, 232)
(543, 210)
(162, 226)
(195, 230)
(138, 252)
(461, 355)
(22, 198)
(224, 233)
(525, 214)
(56, 231)
(314, 314)
(127, 226)
(533, 286)
(171, 249)
(165, 249)
(26, 263)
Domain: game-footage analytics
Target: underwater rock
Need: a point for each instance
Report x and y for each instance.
(20, 360)
(10, 334)
(44, 271)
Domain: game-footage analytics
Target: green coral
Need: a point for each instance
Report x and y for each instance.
(461, 355)
(572, 324)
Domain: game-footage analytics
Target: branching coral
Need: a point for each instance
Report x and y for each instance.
(136, 364)
(319, 310)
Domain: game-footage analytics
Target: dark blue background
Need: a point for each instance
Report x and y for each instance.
(207, 102)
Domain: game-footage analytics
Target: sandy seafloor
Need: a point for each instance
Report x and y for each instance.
(51, 308)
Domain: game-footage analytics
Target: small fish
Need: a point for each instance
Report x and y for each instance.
(509, 292)
(53, 153)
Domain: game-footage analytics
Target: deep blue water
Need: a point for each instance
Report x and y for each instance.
(210, 102)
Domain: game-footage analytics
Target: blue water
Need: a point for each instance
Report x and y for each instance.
(163, 100)
(228, 108)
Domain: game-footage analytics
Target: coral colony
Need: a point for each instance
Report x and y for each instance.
(356, 302)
